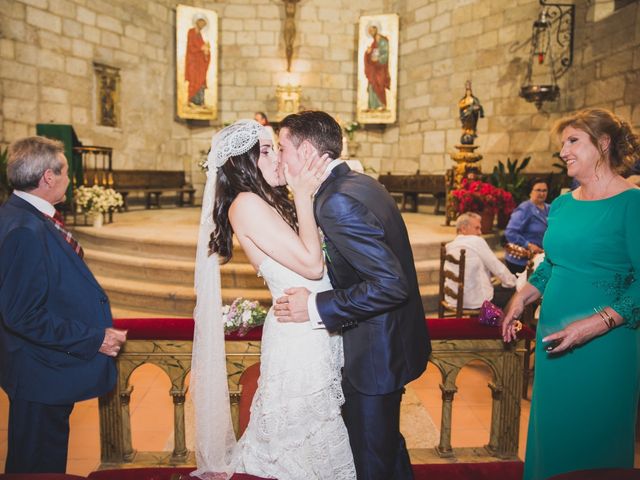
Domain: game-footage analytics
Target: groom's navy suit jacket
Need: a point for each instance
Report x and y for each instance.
(53, 314)
(375, 302)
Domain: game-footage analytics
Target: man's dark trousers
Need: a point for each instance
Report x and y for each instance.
(38, 437)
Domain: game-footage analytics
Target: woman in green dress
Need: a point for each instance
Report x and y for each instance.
(585, 390)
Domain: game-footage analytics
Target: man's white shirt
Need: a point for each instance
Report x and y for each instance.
(480, 264)
(39, 203)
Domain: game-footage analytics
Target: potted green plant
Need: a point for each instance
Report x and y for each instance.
(510, 177)
(5, 187)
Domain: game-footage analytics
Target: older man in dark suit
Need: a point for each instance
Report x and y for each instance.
(56, 335)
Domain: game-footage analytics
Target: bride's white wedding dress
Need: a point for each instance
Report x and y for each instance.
(296, 431)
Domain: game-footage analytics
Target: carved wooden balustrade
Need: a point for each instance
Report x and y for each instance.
(167, 344)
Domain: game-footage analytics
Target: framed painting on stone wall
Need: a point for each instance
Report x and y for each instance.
(377, 69)
(196, 63)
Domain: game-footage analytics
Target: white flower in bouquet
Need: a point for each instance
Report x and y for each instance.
(242, 315)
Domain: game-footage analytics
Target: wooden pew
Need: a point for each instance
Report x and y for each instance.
(151, 183)
(410, 186)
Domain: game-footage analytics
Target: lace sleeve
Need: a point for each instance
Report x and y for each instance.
(627, 302)
(541, 276)
(628, 309)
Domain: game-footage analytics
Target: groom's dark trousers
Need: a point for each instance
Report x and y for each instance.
(377, 306)
(372, 421)
(53, 316)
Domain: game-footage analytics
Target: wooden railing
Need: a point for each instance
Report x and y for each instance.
(449, 356)
(99, 161)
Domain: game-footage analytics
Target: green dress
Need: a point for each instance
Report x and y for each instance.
(584, 404)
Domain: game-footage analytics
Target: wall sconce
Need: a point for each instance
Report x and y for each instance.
(551, 39)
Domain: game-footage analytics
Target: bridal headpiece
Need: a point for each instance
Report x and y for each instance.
(234, 140)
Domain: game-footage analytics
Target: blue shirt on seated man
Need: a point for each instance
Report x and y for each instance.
(526, 227)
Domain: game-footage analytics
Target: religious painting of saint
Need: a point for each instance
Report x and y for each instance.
(377, 68)
(196, 63)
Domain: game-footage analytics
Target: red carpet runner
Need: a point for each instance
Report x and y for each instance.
(455, 471)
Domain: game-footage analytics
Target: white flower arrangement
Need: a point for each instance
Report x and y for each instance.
(242, 315)
(97, 199)
(351, 128)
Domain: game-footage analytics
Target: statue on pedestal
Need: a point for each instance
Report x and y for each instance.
(467, 161)
(470, 111)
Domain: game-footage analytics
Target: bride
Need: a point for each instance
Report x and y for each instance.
(295, 430)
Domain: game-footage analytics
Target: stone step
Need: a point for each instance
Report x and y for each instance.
(114, 240)
(108, 240)
(148, 271)
(428, 272)
(181, 272)
(429, 302)
(161, 299)
(133, 298)
(166, 270)
(429, 294)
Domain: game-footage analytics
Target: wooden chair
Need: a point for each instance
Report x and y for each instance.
(444, 309)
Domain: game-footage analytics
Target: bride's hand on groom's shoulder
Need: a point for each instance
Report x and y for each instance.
(310, 176)
(292, 307)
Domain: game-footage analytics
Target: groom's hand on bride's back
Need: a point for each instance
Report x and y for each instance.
(292, 307)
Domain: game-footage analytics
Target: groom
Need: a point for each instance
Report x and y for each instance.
(375, 303)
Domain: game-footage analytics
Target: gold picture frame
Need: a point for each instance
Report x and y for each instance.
(377, 69)
(196, 63)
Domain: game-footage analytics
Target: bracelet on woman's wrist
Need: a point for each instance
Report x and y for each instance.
(608, 320)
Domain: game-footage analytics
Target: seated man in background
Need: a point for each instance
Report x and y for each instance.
(480, 264)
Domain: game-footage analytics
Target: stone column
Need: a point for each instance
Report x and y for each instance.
(444, 447)
(179, 443)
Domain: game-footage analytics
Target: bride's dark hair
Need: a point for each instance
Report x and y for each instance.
(241, 174)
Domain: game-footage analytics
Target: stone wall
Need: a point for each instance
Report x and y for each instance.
(47, 50)
(445, 42)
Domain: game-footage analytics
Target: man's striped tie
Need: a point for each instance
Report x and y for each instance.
(66, 235)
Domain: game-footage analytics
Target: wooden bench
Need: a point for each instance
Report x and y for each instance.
(151, 183)
(410, 186)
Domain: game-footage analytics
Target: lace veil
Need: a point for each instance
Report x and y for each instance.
(214, 435)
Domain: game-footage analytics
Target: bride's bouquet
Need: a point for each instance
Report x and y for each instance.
(242, 315)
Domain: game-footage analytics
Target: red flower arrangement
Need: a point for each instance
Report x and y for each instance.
(477, 196)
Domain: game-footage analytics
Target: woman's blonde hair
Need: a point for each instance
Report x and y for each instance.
(624, 144)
